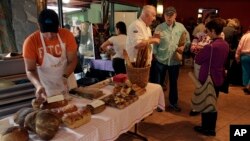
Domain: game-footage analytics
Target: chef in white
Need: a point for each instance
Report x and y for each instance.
(139, 33)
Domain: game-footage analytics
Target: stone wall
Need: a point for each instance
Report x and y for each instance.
(24, 14)
(7, 39)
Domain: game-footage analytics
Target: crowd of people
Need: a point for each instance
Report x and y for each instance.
(50, 54)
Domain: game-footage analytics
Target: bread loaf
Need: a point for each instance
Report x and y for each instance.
(62, 110)
(36, 104)
(47, 124)
(14, 133)
(96, 106)
(77, 118)
(30, 121)
(52, 105)
(89, 92)
(20, 115)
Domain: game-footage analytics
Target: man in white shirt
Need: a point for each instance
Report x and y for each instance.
(139, 34)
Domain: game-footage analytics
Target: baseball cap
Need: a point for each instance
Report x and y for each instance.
(170, 11)
(48, 21)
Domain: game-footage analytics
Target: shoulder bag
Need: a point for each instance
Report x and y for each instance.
(204, 98)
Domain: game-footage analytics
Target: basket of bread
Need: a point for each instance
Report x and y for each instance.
(138, 71)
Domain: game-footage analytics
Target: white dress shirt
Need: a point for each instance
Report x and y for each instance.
(137, 31)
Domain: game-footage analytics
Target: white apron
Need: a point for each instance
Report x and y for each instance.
(52, 69)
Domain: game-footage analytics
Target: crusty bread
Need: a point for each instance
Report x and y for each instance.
(36, 104)
(65, 109)
(30, 121)
(47, 124)
(77, 118)
(52, 105)
(20, 115)
(96, 106)
(14, 133)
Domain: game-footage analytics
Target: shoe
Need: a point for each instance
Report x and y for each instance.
(246, 91)
(193, 113)
(159, 109)
(174, 108)
(205, 132)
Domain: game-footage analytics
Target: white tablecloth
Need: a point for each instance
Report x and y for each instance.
(112, 122)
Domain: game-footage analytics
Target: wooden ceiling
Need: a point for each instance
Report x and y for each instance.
(74, 3)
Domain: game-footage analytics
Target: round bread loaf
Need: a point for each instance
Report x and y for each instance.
(30, 121)
(20, 115)
(14, 133)
(47, 124)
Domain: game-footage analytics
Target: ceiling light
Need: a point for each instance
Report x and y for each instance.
(159, 9)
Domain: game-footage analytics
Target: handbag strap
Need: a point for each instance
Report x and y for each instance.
(210, 59)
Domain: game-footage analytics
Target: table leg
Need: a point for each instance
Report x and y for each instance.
(135, 133)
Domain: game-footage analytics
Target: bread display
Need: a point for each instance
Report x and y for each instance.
(19, 116)
(77, 118)
(47, 124)
(122, 96)
(97, 106)
(14, 133)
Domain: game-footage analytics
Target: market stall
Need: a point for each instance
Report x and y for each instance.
(110, 123)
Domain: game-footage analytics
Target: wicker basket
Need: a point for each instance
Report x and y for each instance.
(138, 76)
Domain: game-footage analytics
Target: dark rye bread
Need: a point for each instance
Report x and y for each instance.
(20, 115)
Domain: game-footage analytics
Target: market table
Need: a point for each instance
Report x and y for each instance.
(111, 123)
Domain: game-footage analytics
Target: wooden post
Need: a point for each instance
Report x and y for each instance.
(41, 5)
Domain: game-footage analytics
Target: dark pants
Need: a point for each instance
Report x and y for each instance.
(208, 121)
(173, 74)
(119, 65)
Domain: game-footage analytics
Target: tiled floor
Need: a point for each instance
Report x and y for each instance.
(233, 108)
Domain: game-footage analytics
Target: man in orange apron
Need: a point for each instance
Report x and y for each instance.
(50, 57)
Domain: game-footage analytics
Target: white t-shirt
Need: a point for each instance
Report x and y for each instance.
(137, 31)
(119, 43)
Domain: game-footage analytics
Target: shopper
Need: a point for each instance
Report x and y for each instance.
(118, 42)
(50, 56)
(200, 40)
(170, 32)
(243, 55)
(219, 50)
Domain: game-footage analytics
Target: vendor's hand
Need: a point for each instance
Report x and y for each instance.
(41, 94)
(142, 44)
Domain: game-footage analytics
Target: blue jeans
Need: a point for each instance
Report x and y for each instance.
(245, 64)
(173, 74)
